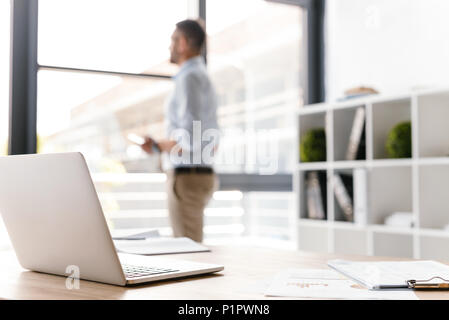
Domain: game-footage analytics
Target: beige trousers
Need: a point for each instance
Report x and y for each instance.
(188, 195)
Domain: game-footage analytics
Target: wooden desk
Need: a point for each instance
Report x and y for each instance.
(245, 268)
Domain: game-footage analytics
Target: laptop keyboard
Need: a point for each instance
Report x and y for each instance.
(132, 271)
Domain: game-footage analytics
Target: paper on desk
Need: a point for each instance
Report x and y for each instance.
(384, 274)
(327, 284)
(159, 246)
(152, 233)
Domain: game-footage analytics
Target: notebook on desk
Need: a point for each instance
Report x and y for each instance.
(394, 274)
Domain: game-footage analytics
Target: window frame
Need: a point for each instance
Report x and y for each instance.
(24, 68)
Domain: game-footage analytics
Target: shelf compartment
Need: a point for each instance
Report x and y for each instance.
(303, 204)
(385, 116)
(434, 196)
(347, 179)
(343, 120)
(313, 238)
(350, 241)
(312, 121)
(392, 245)
(389, 191)
(433, 131)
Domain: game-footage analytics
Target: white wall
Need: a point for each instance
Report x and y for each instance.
(391, 45)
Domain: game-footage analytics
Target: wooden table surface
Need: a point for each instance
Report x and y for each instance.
(246, 271)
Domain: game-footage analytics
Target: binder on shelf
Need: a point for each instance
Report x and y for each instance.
(356, 143)
(315, 203)
(343, 193)
(360, 188)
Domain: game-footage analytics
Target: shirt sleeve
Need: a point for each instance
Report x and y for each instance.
(189, 111)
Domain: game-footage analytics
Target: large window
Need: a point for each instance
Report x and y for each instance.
(103, 74)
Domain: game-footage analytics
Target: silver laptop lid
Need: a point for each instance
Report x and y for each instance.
(54, 218)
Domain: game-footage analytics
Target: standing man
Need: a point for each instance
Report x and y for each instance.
(191, 118)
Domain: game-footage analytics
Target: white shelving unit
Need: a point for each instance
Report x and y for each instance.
(419, 184)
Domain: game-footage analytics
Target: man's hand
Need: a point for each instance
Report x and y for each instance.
(166, 145)
(148, 145)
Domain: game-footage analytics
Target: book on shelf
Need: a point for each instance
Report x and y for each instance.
(360, 187)
(357, 92)
(314, 192)
(343, 190)
(356, 144)
(361, 150)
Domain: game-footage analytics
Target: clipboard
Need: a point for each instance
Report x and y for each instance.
(380, 275)
(428, 284)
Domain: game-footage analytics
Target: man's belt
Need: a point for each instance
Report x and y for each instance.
(202, 170)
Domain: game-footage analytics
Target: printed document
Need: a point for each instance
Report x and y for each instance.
(327, 284)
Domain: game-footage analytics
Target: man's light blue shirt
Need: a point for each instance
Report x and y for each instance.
(191, 115)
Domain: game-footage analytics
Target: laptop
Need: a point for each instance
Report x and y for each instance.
(56, 224)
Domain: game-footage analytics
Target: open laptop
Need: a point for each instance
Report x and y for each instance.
(55, 221)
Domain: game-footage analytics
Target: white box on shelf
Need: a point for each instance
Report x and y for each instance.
(400, 219)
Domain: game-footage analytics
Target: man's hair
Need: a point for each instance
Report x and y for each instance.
(193, 32)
